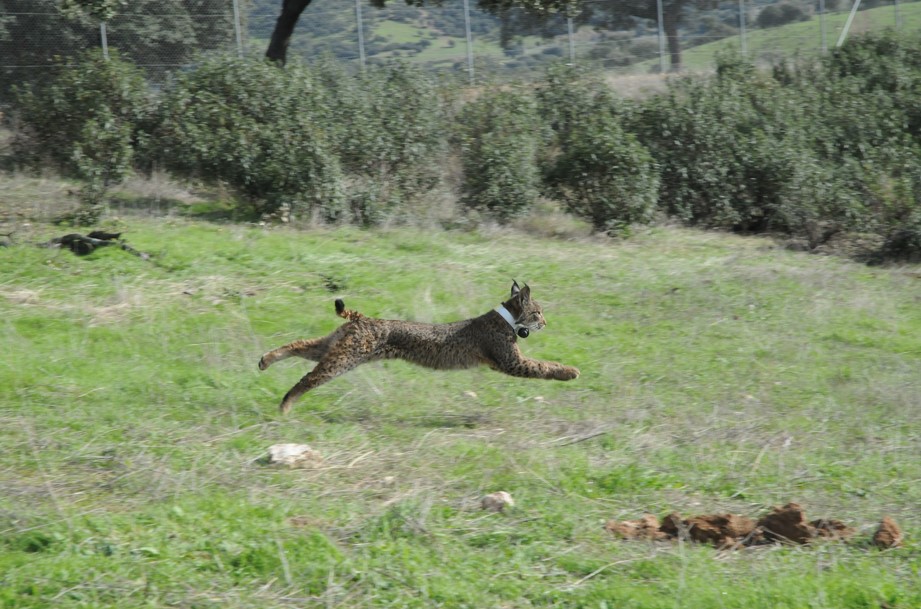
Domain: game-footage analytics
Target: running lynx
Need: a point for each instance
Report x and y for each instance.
(488, 339)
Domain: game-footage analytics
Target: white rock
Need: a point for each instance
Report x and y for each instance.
(294, 455)
(497, 502)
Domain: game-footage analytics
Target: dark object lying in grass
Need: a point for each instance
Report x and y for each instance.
(82, 245)
(787, 524)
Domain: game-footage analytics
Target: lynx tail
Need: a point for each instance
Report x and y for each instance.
(344, 313)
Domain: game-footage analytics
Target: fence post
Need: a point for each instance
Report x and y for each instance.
(469, 39)
(238, 30)
(661, 21)
(847, 24)
(742, 28)
(104, 39)
(572, 42)
(822, 25)
(361, 35)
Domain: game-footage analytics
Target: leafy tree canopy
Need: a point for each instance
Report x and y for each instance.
(100, 9)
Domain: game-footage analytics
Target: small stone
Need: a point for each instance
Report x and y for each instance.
(497, 502)
(294, 455)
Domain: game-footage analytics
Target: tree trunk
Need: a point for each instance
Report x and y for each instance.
(290, 12)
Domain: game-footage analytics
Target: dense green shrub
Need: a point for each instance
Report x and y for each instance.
(86, 121)
(833, 143)
(567, 97)
(388, 128)
(735, 152)
(605, 175)
(317, 140)
(775, 15)
(258, 129)
(598, 170)
(499, 134)
(901, 212)
(867, 125)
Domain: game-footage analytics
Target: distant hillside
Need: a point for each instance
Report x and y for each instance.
(435, 35)
(766, 45)
(330, 26)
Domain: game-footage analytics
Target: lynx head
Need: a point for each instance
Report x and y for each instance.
(527, 313)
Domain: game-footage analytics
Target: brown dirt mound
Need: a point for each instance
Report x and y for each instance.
(720, 530)
(786, 524)
(832, 529)
(646, 527)
(888, 535)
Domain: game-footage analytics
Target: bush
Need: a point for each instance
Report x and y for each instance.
(261, 130)
(901, 213)
(606, 176)
(599, 171)
(499, 134)
(86, 121)
(388, 128)
(780, 14)
(736, 152)
(313, 140)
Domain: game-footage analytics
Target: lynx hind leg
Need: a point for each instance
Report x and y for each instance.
(344, 355)
(313, 349)
(308, 349)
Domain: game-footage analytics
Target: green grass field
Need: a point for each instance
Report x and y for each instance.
(719, 373)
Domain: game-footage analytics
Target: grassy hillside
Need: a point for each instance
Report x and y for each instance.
(801, 38)
(718, 373)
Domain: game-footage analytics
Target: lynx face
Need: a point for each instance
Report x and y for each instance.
(530, 315)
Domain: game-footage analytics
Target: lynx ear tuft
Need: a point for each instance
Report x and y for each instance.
(525, 293)
(340, 306)
(515, 288)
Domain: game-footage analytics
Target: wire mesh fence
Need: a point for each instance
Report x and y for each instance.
(456, 36)
(37, 37)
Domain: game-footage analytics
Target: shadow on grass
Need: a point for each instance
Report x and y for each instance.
(435, 420)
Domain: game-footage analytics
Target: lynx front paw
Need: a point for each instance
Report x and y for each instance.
(567, 373)
(264, 363)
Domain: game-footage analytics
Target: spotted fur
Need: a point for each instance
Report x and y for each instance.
(484, 340)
